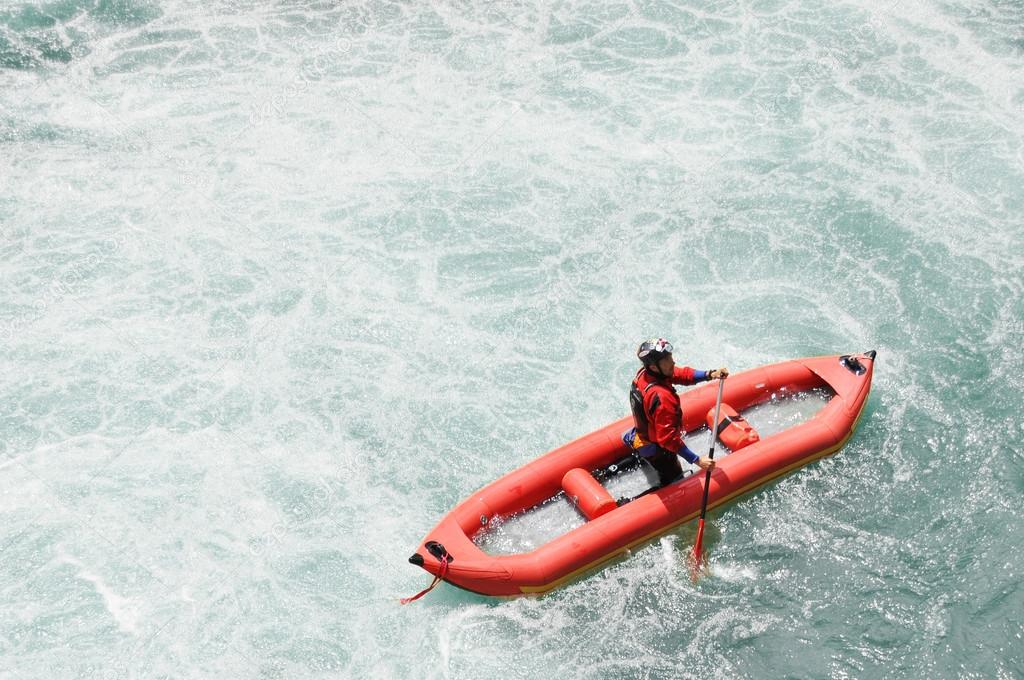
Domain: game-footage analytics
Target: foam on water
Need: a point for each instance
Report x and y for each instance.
(285, 282)
(123, 610)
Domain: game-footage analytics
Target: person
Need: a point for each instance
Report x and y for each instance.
(657, 433)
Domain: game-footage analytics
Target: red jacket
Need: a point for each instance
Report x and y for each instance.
(655, 405)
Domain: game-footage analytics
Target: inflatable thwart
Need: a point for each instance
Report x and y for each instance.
(449, 553)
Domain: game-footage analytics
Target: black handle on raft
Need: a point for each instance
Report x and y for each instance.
(435, 549)
(852, 364)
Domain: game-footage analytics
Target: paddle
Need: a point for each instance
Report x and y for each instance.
(698, 548)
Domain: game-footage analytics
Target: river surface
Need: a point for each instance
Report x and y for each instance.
(283, 282)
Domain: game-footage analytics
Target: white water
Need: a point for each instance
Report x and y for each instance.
(284, 282)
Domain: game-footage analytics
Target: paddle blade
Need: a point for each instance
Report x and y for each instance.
(698, 551)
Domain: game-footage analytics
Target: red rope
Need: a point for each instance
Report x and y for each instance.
(441, 573)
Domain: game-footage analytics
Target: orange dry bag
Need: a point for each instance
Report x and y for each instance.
(733, 430)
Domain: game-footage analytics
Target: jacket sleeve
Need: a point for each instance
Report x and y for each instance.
(691, 457)
(684, 375)
(663, 422)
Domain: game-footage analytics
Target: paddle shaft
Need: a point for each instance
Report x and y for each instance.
(711, 451)
(698, 545)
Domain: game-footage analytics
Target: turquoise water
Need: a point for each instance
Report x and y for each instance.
(283, 282)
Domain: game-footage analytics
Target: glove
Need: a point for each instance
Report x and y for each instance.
(716, 373)
(706, 463)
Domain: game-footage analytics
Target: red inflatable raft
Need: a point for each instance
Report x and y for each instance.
(448, 550)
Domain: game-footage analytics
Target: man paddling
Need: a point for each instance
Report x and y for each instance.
(657, 435)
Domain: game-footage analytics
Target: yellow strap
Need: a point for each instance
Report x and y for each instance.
(638, 441)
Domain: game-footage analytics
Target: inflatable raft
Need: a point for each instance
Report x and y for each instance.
(611, 528)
